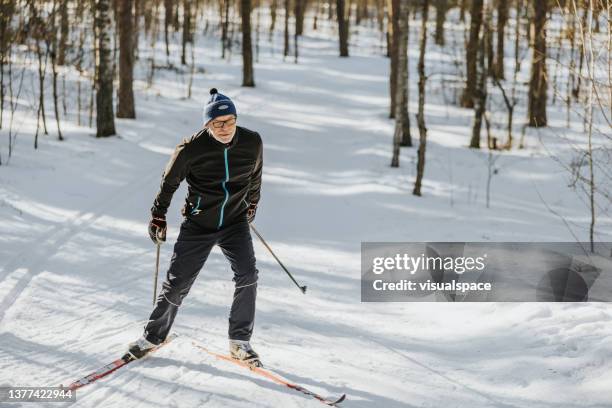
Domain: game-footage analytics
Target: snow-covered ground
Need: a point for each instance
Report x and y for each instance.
(76, 263)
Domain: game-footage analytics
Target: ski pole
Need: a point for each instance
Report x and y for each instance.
(156, 273)
(263, 241)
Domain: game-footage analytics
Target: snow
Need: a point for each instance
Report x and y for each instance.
(76, 263)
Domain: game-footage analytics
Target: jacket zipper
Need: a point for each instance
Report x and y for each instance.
(224, 188)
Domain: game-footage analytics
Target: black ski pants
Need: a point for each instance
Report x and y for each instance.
(190, 253)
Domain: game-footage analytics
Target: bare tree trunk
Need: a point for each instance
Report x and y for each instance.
(538, 84)
(343, 29)
(273, 10)
(586, 34)
(187, 35)
(406, 134)
(511, 101)
(591, 101)
(7, 10)
(441, 9)
(136, 27)
(168, 4)
(576, 91)
(489, 47)
(572, 66)
(105, 121)
(125, 105)
(248, 78)
(94, 65)
(176, 21)
(402, 80)
(392, 34)
(64, 30)
(421, 114)
(300, 8)
(286, 50)
(257, 29)
(41, 96)
(114, 18)
(480, 98)
(225, 39)
(462, 7)
(51, 41)
(298, 29)
(467, 99)
(502, 19)
(39, 33)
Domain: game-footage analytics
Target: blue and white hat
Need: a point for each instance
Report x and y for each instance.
(218, 105)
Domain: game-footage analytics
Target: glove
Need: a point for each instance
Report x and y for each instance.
(157, 229)
(251, 212)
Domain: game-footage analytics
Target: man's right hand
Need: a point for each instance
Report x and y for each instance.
(157, 229)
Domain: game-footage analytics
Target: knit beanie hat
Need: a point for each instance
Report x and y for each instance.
(218, 105)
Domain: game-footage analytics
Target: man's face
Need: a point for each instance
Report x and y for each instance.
(223, 128)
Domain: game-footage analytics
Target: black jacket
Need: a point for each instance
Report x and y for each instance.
(223, 179)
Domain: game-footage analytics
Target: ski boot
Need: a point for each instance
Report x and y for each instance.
(140, 348)
(241, 350)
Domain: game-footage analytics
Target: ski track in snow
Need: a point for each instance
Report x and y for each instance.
(75, 277)
(32, 261)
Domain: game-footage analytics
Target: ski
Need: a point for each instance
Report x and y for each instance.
(112, 367)
(274, 377)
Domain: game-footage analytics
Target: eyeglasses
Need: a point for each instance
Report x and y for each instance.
(220, 124)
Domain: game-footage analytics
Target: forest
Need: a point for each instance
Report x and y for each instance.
(385, 124)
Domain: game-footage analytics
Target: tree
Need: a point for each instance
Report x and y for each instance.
(187, 35)
(64, 30)
(168, 4)
(138, 6)
(51, 41)
(39, 32)
(125, 96)
(538, 92)
(402, 81)
(248, 78)
(467, 99)
(286, 32)
(392, 33)
(7, 9)
(105, 121)
(224, 7)
(300, 9)
(480, 91)
(441, 9)
(343, 29)
(421, 114)
(502, 19)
